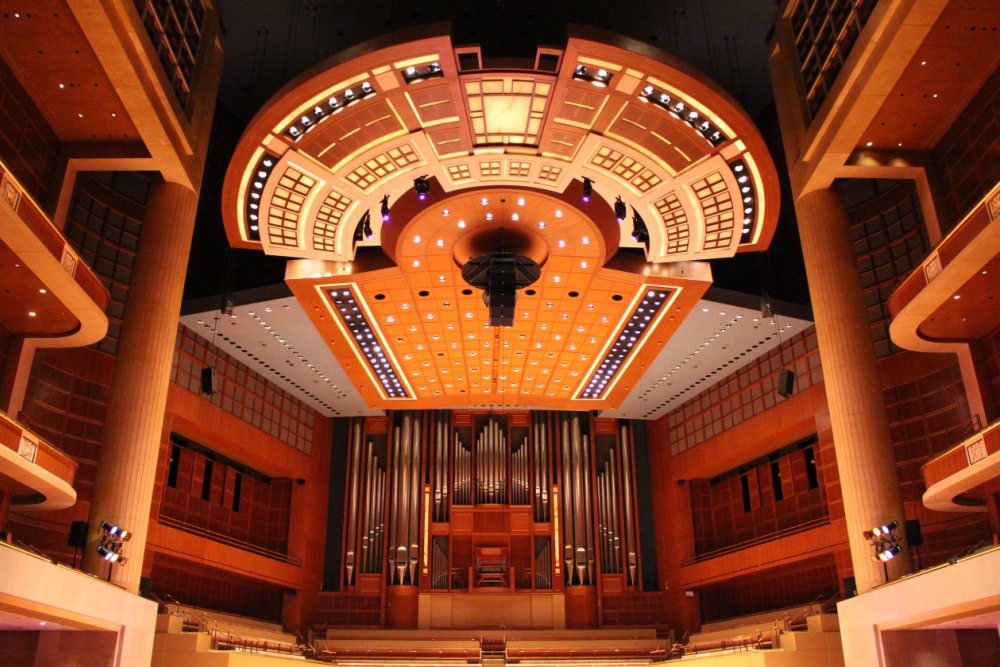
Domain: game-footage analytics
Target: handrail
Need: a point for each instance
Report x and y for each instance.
(763, 539)
(227, 540)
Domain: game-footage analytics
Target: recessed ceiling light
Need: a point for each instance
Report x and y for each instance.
(416, 263)
(461, 224)
(541, 225)
(585, 240)
(868, 144)
(416, 239)
(559, 213)
(43, 290)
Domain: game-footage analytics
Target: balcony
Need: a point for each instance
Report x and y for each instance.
(53, 295)
(37, 475)
(956, 479)
(946, 300)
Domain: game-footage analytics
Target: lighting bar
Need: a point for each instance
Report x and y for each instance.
(683, 111)
(252, 212)
(418, 74)
(354, 320)
(631, 334)
(748, 197)
(311, 119)
(598, 77)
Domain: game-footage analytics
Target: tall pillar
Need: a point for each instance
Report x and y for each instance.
(868, 478)
(126, 467)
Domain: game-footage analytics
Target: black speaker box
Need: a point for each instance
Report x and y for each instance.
(208, 380)
(914, 536)
(786, 382)
(850, 587)
(146, 587)
(78, 534)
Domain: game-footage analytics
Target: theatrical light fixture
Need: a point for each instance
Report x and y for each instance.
(111, 542)
(748, 196)
(366, 221)
(640, 233)
(416, 74)
(885, 541)
(421, 186)
(599, 77)
(620, 210)
(319, 113)
(588, 190)
(260, 175)
(385, 209)
(683, 112)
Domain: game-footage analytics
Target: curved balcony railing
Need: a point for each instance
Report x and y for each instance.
(36, 450)
(15, 197)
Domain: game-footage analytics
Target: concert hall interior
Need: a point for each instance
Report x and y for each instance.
(500, 332)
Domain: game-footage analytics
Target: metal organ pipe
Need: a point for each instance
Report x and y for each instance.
(630, 549)
(352, 503)
(579, 502)
(588, 504)
(367, 535)
(569, 549)
(416, 486)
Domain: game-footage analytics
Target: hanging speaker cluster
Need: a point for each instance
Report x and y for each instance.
(500, 275)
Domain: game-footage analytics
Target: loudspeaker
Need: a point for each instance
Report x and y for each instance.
(208, 380)
(914, 536)
(146, 588)
(78, 534)
(501, 295)
(850, 587)
(786, 382)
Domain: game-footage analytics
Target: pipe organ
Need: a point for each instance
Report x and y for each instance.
(449, 501)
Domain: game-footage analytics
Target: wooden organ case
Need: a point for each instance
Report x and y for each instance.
(536, 509)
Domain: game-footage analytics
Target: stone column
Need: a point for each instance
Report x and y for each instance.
(126, 467)
(865, 459)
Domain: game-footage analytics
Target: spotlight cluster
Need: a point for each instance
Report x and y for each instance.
(417, 74)
(321, 112)
(680, 110)
(885, 541)
(634, 329)
(364, 337)
(598, 77)
(111, 542)
(261, 173)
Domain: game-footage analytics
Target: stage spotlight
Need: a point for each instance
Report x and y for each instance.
(620, 210)
(366, 224)
(421, 186)
(107, 554)
(385, 208)
(640, 233)
(109, 528)
(890, 553)
(588, 190)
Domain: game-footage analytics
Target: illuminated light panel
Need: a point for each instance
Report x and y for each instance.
(354, 320)
(635, 328)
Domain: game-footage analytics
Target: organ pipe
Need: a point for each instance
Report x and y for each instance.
(416, 485)
(352, 505)
(568, 507)
(630, 548)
